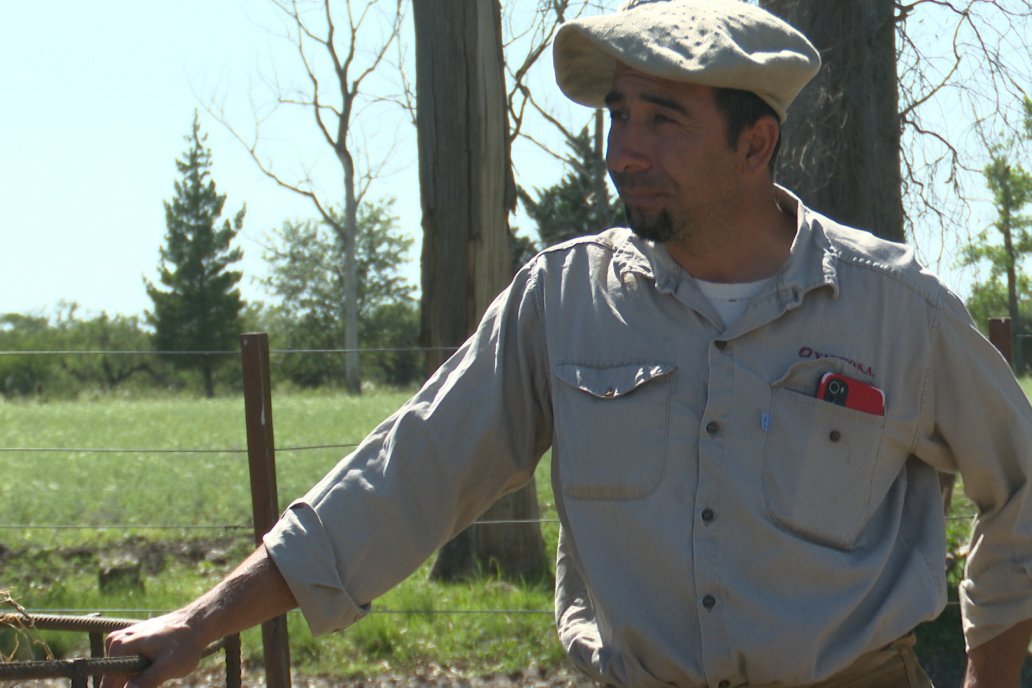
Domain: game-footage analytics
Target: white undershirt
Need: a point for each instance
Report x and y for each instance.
(729, 300)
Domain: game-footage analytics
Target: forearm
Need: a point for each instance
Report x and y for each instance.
(252, 594)
(997, 662)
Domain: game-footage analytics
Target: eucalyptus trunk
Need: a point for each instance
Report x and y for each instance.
(467, 191)
(840, 144)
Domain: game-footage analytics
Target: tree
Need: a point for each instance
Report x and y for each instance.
(25, 375)
(307, 273)
(199, 309)
(574, 206)
(330, 54)
(865, 142)
(467, 191)
(105, 363)
(840, 142)
(1011, 186)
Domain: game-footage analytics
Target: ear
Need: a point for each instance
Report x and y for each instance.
(757, 144)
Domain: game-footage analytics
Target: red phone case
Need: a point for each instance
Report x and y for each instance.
(851, 393)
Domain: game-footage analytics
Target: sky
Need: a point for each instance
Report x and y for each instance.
(98, 101)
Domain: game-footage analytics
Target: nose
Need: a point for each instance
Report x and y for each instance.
(627, 149)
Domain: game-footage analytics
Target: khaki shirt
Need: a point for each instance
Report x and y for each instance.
(719, 524)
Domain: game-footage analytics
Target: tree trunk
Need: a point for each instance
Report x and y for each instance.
(600, 191)
(840, 147)
(1017, 361)
(467, 190)
(208, 373)
(352, 369)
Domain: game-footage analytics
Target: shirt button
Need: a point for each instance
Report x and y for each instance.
(834, 435)
(709, 601)
(713, 427)
(707, 515)
(720, 344)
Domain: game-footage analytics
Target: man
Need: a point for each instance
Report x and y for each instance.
(747, 405)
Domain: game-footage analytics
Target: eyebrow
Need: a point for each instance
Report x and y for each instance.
(614, 97)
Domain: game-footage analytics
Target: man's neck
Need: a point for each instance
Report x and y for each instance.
(753, 245)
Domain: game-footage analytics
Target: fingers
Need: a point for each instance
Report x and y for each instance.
(165, 641)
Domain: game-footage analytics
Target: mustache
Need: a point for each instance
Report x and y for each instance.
(638, 182)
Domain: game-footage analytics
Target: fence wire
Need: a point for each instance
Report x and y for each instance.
(246, 529)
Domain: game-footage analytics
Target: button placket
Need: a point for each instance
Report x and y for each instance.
(714, 436)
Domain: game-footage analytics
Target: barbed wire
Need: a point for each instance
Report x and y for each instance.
(218, 352)
(145, 526)
(151, 450)
(246, 529)
(119, 526)
(374, 610)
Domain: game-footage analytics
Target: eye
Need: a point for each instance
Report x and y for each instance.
(616, 115)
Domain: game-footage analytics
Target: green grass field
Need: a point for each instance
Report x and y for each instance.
(121, 496)
(118, 495)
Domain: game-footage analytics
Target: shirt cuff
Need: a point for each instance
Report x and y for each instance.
(303, 553)
(985, 619)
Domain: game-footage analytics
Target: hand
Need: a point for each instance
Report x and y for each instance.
(253, 593)
(169, 642)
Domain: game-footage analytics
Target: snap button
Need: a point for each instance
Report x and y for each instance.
(709, 601)
(707, 515)
(834, 435)
(713, 427)
(610, 392)
(720, 344)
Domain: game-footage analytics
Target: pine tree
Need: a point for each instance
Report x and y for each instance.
(572, 207)
(199, 308)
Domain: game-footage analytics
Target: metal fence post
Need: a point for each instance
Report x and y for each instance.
(1000, 336)
(261, 459)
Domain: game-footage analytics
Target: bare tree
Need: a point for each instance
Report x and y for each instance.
(959, 88)
(326, 37)
(534, 39)
(880, 138)
(841, 139)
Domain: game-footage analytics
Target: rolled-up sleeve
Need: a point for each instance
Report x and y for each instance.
(978, 422)
(473, 433)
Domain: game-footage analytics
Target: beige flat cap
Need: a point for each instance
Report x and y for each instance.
(720, 43)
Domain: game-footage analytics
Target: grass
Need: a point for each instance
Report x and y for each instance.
(57, 569)
(118, 494)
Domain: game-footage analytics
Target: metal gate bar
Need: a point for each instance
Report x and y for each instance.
(79, 670)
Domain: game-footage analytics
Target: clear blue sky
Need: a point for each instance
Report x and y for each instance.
(98, 99)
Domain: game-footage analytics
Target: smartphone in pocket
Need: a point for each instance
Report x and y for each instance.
(851, 393)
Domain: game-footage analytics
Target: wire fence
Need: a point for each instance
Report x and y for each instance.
(235, 528)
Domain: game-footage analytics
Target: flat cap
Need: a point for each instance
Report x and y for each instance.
(719, 43)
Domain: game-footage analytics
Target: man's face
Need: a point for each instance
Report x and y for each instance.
(669, 158)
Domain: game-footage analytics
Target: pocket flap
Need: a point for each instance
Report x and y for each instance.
(611, 381)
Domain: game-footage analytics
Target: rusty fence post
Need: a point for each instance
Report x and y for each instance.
(1000, 336)
(261, 458)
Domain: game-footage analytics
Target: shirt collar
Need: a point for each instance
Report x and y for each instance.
(811, 263)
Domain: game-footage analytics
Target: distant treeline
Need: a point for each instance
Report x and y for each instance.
(96, 353)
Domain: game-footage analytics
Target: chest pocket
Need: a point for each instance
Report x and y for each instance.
(820, 461)
(612, 426)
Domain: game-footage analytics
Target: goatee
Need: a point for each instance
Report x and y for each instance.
(659, 229)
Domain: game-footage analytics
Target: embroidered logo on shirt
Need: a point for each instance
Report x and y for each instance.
(807, 352)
